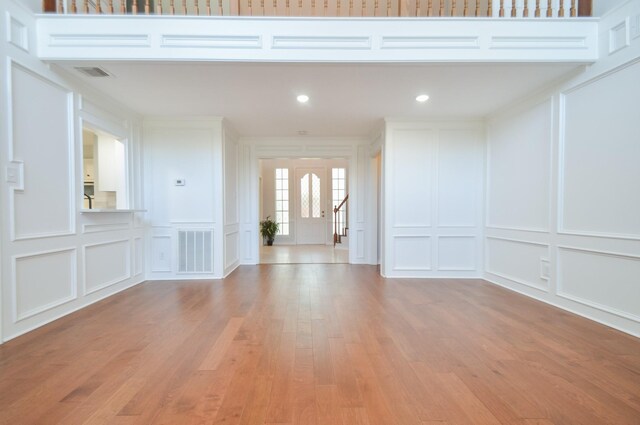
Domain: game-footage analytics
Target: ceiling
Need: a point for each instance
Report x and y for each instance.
(259, 99)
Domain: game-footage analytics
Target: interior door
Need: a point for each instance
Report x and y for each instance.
(310, 212)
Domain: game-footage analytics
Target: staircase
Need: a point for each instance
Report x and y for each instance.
(341, 224)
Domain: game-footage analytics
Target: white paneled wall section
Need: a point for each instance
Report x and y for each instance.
(56, 258)
(563, 188)
(231, 199)
(433, 181)
(190, 171)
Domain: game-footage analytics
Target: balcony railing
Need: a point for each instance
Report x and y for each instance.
(327, 8)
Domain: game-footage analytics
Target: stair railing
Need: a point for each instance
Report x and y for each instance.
(340, 221)
(363, 8)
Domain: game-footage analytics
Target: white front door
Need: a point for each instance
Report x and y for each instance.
(310, 212)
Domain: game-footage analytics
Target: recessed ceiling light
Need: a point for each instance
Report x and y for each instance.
(422, 98)
(303, 98)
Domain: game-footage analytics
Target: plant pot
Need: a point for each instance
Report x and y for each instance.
(269, 242)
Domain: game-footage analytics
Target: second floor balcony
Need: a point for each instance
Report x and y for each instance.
(319, 30)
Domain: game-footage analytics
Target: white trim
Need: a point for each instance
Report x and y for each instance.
(14, 283)
(457, 269)
(113, 281)
(562, 230)
(563, 307)
(11, 64)
(589, 303)
(532, 285)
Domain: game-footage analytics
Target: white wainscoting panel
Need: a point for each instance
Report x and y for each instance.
(604, 280)
(42, 138)
(457, 253)
(519, 170)
(161, 253)
(600, 185)
(412, 163)
(230, 180)
(138, 256)
(18, 33)
(43, 281)
(106, 264)
(516, 260)
(181, 152)
(412, 253)
(459, 185)
(231, 250)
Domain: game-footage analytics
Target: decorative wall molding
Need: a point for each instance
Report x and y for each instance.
(505, 275)
(138, 256)
(321, 42)
(89, 289)
(18, 34)
(426, 261)
(212, 41)
(619, 36)
(518, 229)
(471, 267)
(359, 244)
(104, 227)
(72, 293)
(522, 241)
(427, 43)
(511, 114)
(313, 39)
(99, 40)
(590, 303)
(539, 42)
(562, 229)
(17, 166)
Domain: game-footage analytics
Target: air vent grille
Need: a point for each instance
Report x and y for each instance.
(92, 71)
(195, 251)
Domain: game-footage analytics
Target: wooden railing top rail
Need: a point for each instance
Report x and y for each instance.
(327, 8)
(336, 209)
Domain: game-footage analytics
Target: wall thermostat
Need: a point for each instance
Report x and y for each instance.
(180, 182)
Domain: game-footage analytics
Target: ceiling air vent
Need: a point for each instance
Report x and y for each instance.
(92, 71)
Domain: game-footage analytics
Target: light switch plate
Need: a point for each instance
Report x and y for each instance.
(180, 182)
(15, 174)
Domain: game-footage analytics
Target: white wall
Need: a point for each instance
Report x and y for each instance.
(433, 181)
(268, 167)
(188, 149)
(563, 188)
(356, 153)
(231, 199)
(56, 259)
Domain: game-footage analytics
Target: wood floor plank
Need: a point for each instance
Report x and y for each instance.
(219, 349)
(320, 345)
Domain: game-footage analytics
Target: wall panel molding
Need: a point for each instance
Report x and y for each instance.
(564, 292)
(541, 286)
(471, 254)
(412, 253)
(29, 166)
(573, 218)
(35, 273)
(107, 269)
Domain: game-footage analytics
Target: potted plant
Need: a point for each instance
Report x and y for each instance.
(268, 230)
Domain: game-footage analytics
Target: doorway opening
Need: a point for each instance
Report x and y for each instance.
(308, 199)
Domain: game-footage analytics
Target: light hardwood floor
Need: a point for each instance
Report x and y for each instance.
(320, 344)
(303, 254)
